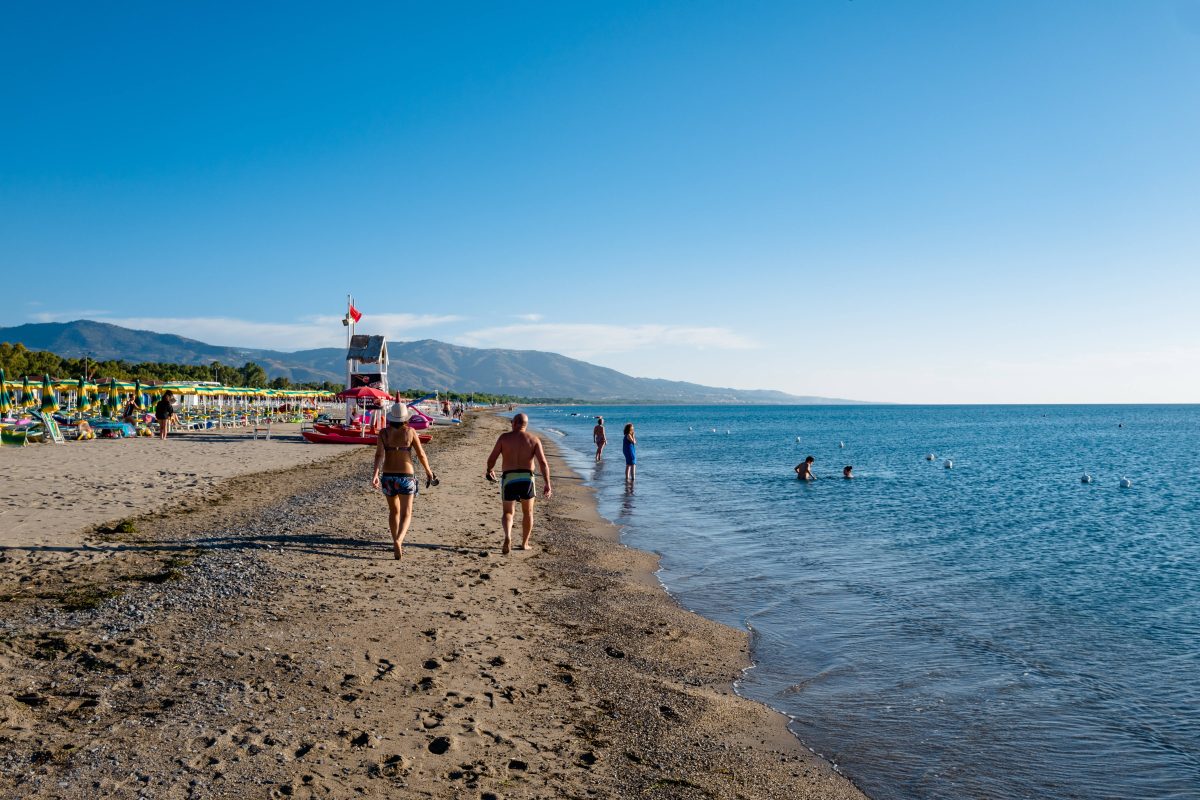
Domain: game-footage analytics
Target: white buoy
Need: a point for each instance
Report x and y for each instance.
(726, 431)
(949, 464)
(1126, 483)
(797, 438)
(1086, 478)
(930, 457)
(841, 444)
(714, 430)
(689, 427)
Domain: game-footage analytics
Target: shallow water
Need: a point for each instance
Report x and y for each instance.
(999, 629)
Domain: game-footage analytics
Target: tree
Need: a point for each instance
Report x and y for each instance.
(253, 375)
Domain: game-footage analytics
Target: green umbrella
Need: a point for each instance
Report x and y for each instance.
(82, 402)
(49, 401)
(27, 400)
(114, 403)
(6, 403)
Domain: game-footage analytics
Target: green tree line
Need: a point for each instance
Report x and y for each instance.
(18, 361)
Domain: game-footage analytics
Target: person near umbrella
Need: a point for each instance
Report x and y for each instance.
(398, 447)
(133, 410)
(164, 412)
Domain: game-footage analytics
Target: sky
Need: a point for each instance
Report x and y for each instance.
(919, 202)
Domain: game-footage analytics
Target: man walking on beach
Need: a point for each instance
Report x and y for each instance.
(519, 449)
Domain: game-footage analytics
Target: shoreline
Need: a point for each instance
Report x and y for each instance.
(291, 657)
(644, 572)
(649, 576)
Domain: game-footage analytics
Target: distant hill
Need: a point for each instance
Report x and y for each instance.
(425, 364)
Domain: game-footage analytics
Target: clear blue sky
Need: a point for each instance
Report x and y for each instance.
(909, 201)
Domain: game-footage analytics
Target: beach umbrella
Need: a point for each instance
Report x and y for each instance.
(49, 401)
(363, 392)
(82, 402)
(27, 400)
(6, 403)
(114, 402)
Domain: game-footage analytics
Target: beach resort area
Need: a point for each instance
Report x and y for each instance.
(600, 401)
(219, 615)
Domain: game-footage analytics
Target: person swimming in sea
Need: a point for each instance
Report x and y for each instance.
(847, 472)
(804, 469)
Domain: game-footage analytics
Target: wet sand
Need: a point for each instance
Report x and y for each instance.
(265, 644)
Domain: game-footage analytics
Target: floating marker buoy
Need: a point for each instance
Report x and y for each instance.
(726, 431)
(1086, 478)
(841, 444)
(714, 430)
(1126, 483)
(949, 464)
(797, 438)
(930, 457)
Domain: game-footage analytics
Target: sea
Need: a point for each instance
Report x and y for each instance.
(966, 617)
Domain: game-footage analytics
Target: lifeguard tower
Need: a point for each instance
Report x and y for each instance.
(366, 365)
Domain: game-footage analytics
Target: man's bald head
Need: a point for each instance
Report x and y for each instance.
(520, 422)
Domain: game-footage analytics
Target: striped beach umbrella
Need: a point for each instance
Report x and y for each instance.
(113, 404)
(27, 400)
(82, 402)
(6, 402)
(49, 401)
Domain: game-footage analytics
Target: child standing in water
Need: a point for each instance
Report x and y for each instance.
(629, 448)
(598, 437)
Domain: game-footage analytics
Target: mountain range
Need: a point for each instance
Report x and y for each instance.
(425, 364)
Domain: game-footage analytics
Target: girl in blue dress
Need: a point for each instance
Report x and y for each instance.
(629, 448)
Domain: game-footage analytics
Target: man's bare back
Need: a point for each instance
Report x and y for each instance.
(520, 450)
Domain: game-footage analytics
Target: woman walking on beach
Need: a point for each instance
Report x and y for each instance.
(164, 411)
(598, 437)
(629, 448)
(395, 474)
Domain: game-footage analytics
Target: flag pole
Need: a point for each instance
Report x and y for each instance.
(349, 320)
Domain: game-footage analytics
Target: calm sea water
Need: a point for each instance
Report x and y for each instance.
(995, 630)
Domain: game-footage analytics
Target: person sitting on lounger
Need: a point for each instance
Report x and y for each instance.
(133, 412)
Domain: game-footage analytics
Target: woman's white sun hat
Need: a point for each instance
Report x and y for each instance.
(399, 412)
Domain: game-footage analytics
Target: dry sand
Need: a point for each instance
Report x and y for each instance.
(266, 645)
(52, 494)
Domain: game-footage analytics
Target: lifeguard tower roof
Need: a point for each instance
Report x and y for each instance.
(367, 349)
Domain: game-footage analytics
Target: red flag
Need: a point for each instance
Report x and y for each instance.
(355, 314)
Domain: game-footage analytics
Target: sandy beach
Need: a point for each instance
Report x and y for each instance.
(261, 642)
(54, 494)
